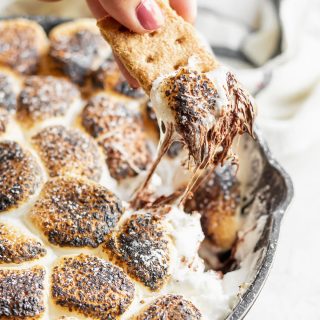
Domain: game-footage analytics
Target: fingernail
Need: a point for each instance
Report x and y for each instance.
(149, 15)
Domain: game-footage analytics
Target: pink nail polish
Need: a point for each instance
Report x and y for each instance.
(149, 15)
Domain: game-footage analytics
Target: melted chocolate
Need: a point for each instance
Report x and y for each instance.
(207, 130)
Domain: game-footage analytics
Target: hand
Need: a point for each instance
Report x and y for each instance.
(140, 16)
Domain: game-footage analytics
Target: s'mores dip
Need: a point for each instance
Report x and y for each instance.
(92, 224)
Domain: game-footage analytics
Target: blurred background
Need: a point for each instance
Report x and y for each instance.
(274, 47)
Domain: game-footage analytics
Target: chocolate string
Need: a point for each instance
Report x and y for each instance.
(164, 144)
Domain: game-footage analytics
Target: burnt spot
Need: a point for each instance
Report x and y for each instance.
(68, 152)
(22, 293)
(76, 213)
(20, 45)
(76, 53)
(45, 97)
(20, 175)
(141, 247)
(15, 247)
(170, 307)
(92, 286)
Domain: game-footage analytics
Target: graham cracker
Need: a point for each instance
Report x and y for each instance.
(147, 56)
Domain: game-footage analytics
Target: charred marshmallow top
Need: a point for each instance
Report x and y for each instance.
(206, 111)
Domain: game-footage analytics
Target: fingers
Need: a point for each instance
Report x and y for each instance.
(96, 9)
(185, 8)
(140, 16)
(137, 15)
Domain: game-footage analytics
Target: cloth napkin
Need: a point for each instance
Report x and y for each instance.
(273, 46)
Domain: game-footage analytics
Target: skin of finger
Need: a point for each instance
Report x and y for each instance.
(132, 81)
(185, 8)
(124, 11)
(96, 9)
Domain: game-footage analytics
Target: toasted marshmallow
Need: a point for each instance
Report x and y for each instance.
(17, 247)
(20, 175)
(120, 133)
(91, 286)
(10, 86)
(77, 49)
(22, 293)
(218, 201)
(45, 98)
(73, 212)
(68, 152)
(169, 307)
(141, 247)
(23, 43)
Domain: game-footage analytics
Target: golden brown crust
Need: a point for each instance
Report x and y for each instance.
(92, 286)
(153, 54)
(218, 200)
(127, 152)
(77, 49)
(74, 212)
(67, 151)
(22, 293)
(121, 135)
(15, 247)
(104, 114)
(22, 44)
(45, 97)
(191, 97)
(141, 248)
(169, 307)
(221, 227)
(20, 175)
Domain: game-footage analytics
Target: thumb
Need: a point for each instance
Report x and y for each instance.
(137, 15)
(185, 8)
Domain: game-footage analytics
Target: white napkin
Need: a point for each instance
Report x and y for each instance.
(288, 105)
(251, 30)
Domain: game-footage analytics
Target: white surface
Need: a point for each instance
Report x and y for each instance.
(292, 290)
(289, 117)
